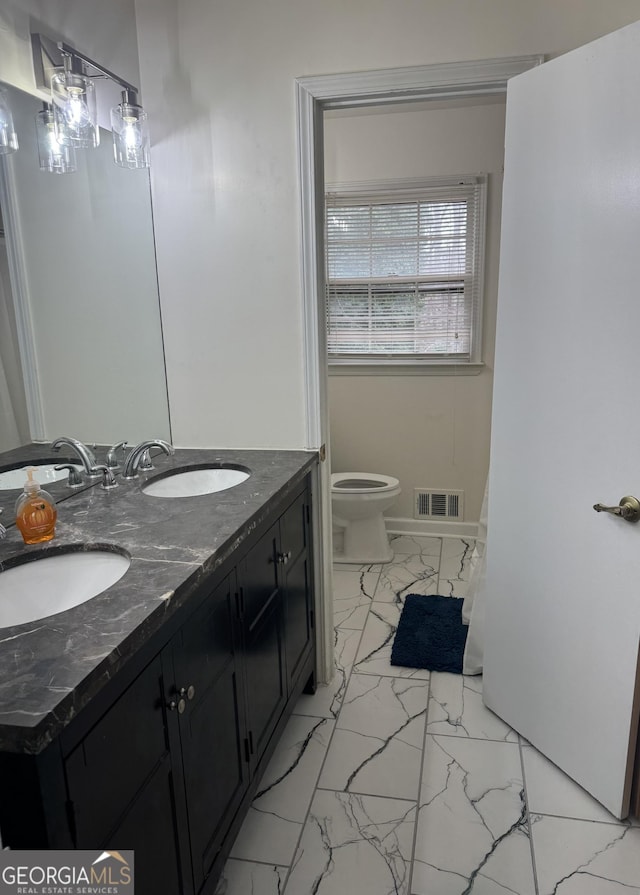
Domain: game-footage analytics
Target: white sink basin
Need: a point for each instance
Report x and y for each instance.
(51, 584)
(197, 481)
(46, 473)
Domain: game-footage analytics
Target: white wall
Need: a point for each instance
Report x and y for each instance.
(429, 431)
(218, 79)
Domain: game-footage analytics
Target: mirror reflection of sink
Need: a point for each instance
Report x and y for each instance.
(196, 480)
(15, 478)
(35, 588)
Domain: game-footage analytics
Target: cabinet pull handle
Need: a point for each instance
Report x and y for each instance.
(189, 692)
(283, 558)
(180, 705)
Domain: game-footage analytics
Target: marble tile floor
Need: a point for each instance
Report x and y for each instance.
(397, 781)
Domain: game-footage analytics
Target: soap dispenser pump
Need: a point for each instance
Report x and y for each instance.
(36, 512)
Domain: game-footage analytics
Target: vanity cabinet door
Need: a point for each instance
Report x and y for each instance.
(121, 786)
(148, 827)
(112, 762)
(208, 701)
(294, 574)
(260, 610)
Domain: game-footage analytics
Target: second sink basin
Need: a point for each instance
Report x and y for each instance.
(44, 584)
(196, 480)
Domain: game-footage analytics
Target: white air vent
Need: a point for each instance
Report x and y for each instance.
(437, 504)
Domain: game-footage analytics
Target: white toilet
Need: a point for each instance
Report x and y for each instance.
(358, 500)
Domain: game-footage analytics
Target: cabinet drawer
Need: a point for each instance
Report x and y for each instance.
(106, 770)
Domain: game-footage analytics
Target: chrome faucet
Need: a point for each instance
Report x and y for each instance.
(112, 454)
(108, 478)
(86, 456)
(131, 464)
(75, 479)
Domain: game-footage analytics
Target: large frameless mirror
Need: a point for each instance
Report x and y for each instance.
(81, 348)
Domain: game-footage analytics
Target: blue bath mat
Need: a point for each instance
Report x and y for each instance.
(430, 634)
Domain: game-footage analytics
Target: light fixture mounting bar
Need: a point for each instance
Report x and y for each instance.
(48, 57)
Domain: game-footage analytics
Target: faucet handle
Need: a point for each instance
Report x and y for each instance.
(145, 463)
(112, 459)
(75, 479)
(108, 478)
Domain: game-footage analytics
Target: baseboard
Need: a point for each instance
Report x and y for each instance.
(433, 528)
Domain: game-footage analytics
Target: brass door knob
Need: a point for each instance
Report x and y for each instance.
(628, 509)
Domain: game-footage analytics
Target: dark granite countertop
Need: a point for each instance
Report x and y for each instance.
(51, 668)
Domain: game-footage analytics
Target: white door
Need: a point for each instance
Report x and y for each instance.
(563, 582)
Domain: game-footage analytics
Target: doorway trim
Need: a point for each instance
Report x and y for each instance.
(314, 95)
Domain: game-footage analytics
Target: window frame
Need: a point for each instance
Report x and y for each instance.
(407, 190)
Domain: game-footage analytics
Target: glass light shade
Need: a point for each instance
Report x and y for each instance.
(54, 157)
(75, 112)
(8, 136)
(130, 136)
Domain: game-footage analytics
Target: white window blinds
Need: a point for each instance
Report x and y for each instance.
(404, 273)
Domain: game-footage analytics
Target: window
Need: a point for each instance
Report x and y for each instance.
(404, 272)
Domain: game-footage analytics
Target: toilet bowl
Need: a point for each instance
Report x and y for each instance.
(358, 500)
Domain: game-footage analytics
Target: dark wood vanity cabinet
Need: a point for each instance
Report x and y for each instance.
(169, 767)
(207, 699)
(276, 612)
(262, 624)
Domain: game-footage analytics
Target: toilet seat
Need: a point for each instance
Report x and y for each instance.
(362, 483)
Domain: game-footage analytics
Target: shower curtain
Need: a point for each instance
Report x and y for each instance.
(474, 603)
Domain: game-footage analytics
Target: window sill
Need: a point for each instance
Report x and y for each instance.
(385, 368)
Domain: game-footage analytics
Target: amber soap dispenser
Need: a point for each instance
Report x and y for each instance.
(36, 512)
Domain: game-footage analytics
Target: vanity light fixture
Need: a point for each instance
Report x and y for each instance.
(54, 156)
(72, 75)
(75, 109)
(130, 133)
(8, 136)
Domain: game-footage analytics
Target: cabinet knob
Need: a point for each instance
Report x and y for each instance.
(180, 705)
(283, 558)
(189, 692)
